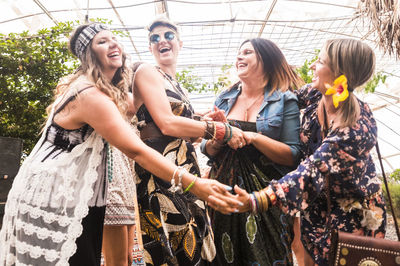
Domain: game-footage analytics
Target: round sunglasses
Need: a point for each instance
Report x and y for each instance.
(168, 35)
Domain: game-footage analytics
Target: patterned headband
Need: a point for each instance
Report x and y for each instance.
(86, 35)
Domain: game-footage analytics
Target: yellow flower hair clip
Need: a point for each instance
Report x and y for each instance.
(339, 90)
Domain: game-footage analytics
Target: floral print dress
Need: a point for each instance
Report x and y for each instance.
(356, 196)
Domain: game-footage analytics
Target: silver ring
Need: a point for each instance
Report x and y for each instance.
(240, 145)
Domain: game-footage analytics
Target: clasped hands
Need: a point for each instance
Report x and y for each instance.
(218, 196)
(239, 138)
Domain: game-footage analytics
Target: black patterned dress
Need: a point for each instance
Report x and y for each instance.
(175, 227)
(247, 238)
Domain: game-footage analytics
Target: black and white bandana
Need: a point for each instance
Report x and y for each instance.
(86, 36)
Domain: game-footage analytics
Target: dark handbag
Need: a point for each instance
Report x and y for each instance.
(350, 249)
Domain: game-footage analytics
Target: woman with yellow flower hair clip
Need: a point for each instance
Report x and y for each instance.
(337, 134)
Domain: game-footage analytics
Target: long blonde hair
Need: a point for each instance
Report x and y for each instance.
(117, 89)
(355, 60)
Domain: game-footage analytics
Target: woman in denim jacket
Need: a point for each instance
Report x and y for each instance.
(337, 135)
(261, 102)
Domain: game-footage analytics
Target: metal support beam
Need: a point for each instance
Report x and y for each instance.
(162, 8)
(124, 26)
(45, 11)
(271, 8)
(87, 13)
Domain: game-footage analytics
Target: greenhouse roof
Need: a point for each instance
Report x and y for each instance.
(212, 31)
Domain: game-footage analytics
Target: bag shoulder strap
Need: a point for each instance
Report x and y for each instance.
(328, 179)
(387, 191)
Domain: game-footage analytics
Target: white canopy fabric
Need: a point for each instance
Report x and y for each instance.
(212, 31)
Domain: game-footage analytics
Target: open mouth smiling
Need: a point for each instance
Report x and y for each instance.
(164, 50)
(114, 54)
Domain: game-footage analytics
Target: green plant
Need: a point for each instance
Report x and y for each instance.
(395, 175)
(223, 80)
(193, 83)
(394, 189)
(304, 71)
(30, 68)
(190, 81)
(374, 81)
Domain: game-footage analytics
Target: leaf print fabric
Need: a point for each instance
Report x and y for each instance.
(246, 238)
(175, 227)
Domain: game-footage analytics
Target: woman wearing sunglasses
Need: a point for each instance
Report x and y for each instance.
(174, 224)
(55, 209)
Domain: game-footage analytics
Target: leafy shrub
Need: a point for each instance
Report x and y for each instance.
(394, 189)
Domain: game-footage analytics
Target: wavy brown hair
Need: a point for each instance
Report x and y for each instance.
(277, 72)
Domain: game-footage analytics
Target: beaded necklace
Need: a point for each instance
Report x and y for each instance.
(110, 162)
(175, 86)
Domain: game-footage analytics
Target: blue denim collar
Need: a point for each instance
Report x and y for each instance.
(234, 92)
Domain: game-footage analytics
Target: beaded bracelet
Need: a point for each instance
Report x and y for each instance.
(110, 162)
(173, 187)
(261, 201)
(210, 130)
(271, 194)
(173, 175)
(226, 132)
(253, 203)
(180, 175)
(230, 133)
(256, 201)
(219, 131)
(190, 185)
(215, 130)
(264, 201)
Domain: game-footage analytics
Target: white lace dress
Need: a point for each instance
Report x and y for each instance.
(51, 194)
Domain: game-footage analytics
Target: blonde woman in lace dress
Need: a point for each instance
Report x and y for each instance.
(55, 209)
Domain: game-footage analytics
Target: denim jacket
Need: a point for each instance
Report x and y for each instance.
(278, 118)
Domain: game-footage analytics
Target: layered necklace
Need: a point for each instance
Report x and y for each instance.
(175, 85)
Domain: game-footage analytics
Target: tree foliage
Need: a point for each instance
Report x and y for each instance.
(193, 83)
(395, 175)
(304, 71)
(30, 68)
(374, 81)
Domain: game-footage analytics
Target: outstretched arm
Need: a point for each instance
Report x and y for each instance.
(149, 86)
(97, 110)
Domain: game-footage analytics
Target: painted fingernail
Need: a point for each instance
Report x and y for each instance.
(229, 188)
(236, 210)
(240, 203)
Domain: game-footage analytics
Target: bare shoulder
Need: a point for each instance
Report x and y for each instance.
(146, 70)
(146, 67)
(93, 96)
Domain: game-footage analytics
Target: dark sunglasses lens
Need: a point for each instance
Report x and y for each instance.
(155, 38)
(169, 35)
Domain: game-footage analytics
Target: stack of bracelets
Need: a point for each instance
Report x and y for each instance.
(260, 200)
(177, 188)
(218, 131)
